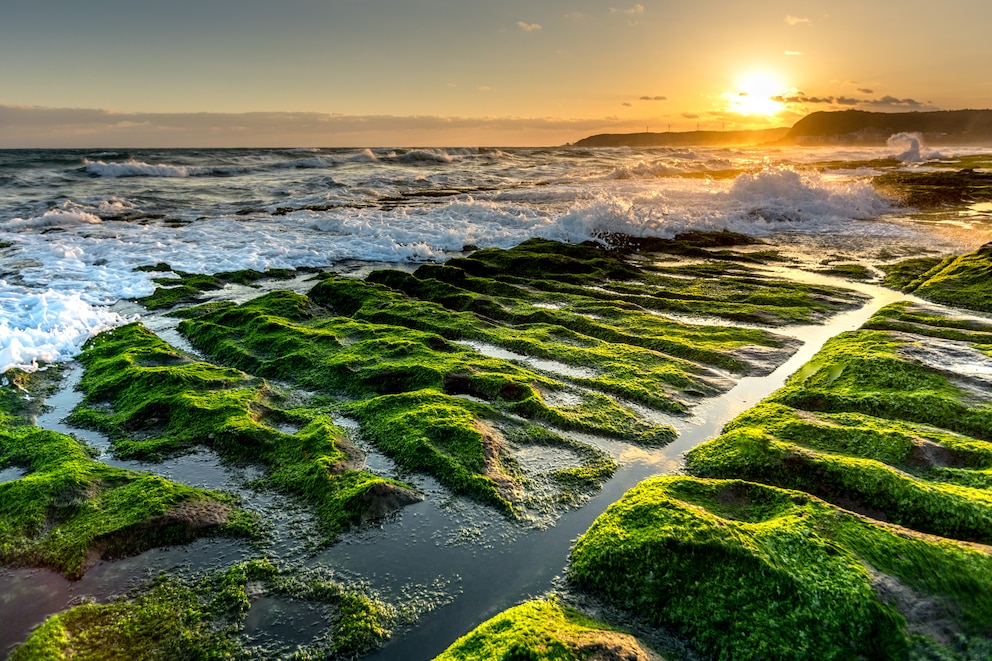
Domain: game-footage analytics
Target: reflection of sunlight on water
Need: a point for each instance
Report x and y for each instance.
(662, 461)
(979, 208)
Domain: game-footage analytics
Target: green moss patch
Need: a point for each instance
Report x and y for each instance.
(964, 281)
(541, 271)
(154, 401)
(748, 571)
(186, 287)
(68, 511)
(885, 421)
(202, 619)
(560, 335)
(545, 630)
(876, 423)
(414, 390)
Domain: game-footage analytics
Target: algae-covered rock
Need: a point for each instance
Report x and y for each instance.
(893, 420)
(563, 336)
(154, 401)
(416, 393)
(201, 619)
(544, 630)
(748, 571)
(68, 511)
(964, 281)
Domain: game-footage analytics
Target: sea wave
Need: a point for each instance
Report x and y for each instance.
(132, 168)
(426, 156)
(60, 218)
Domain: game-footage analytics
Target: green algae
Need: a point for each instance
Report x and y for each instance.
(409, 385)
(858, 462)
(965, 281)
(742, 566)
(752, 571)
(68, 511)
(559, 335)
(202, 619)
(590, 274)
(543, 630)
(743, 570)
(908, 318)
(878, 373)
(907, 274)
(155, 402)
(869, 425)
(184, 287)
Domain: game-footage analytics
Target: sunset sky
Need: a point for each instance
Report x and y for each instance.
(458, 72)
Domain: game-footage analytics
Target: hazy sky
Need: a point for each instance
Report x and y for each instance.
(458, 72)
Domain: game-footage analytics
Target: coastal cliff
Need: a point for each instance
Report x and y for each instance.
(841, 127)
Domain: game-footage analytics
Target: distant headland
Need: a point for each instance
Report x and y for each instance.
(842, 127)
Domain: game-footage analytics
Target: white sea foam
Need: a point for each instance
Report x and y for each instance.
(364, 156)
(911, 149)
(64, 265)
(135, 169)
(132, 168)
(60, 218)
(426, 156)
(46, 327)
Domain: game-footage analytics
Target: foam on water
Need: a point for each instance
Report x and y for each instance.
(910, 148)
(73, 252)
(46, 327)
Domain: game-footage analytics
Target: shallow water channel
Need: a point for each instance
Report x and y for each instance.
(453, 562)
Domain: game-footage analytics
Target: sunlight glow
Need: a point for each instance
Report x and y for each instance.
(754, 95)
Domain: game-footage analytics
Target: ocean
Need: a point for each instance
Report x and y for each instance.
(75, 224)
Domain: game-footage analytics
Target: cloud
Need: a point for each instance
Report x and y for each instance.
(865, 90)
(800, 98)
(690, 115)
(795, 20)
(894, 102)
(529, 27)
(793, 52)
(627, 104)
(576, 16)
(38, 127)
(636, 9)
(483, 88)
(653, 98)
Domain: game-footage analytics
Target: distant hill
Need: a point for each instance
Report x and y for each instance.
(840, 127)
(859, 126)
(684, 139)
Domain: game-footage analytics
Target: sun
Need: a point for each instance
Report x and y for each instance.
(756, 95)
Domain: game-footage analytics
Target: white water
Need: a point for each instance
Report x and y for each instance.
(74, 225)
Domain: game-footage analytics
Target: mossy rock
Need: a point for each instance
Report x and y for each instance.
(964, 281)
(937, 189)
(201, 619)
(413, 383)
(748, 571)
(875, 422)
(154, 401)
(185, 287)
(545, 630)
(68, 511)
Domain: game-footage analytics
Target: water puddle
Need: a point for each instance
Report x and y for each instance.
(540, 364)
(274, 619)
(11, 473)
